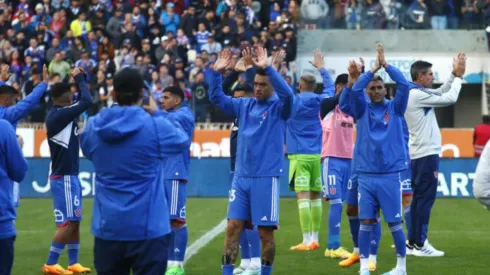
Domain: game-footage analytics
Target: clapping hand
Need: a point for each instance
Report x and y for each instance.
(261, 59)
(45, 73)
(459, 65)
(353, 73)
(5, 75)
(224, 58)
(318, 59)
(277, 59)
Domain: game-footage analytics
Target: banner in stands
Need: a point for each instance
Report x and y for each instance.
(210, 177)
(441, 66)
(216, 143)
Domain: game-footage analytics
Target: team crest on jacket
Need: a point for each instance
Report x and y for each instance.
(386, 119)
(436, 174)
(264, 116)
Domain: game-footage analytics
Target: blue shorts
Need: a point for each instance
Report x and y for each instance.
(255, 200)
(380, 191)
(351, 196)
(176, 195)
(406, 178)
(335, 176)
(67, 199)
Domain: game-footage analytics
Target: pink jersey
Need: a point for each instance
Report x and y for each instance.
(338, 133)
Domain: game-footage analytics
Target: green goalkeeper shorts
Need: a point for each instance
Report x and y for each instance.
(305, 173)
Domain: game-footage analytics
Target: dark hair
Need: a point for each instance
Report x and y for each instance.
(245, 88)
(59, 89)
(342, 79)
(419, 67)
(128, 84)
(377, 78)
(486, 119)
(175, 91)
(260, 71)
(8, 90)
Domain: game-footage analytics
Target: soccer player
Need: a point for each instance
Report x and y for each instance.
(176, 178)
(62, 131)
(13, 168)
(249, 238)
(425, 145)
(128, 148)
(379, 162)
(303, 148)
(13, 111)
(255, 189)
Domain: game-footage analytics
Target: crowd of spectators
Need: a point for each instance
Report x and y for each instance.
(171, 42)
(396, 14)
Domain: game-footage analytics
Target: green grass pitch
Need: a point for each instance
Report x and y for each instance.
(458, 226)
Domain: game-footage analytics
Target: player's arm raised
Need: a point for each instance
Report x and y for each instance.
(432, 98)
(278, 83)
(448, 84)
(328, 83)
(216, 95)
(401, 97)
(356, 97)
(16, 163)
(18, 111)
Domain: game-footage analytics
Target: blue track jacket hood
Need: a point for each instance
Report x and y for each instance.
(128, 148)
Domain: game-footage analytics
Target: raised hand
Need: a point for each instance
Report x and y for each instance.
(224, 58)
(45, 74)
(354, 73)
(360, 65)
(381, 55)
(247, 56)
(261, 59)
(76, 71)
(232, 64)
(5, 75)
(240, 66)
(278, 58)
(318, 59)
(459, 65)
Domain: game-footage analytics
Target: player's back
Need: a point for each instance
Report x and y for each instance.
(127, 148)
(303, 132)
(63, 143)
(177, 166)
(261, 138)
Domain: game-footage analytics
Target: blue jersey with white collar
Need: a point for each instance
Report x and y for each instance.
(260, 150)
(380, 142)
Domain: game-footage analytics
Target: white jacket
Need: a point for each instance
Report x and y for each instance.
(425, 135)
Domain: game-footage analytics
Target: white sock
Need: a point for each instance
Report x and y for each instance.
(245, 263)
(401, 263)
(255, 262)
(356, 250)
(372, 258)
(364, 264)
(314, 236)
(306, 238)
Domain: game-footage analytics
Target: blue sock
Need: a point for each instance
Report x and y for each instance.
(408, 219)
(266, 270)
(365, 231)
(399, 239)
(334, 216)
(244, 246)
(375, 238)
(180, 243)
(55, 252)
(354, 229)
(73, 249)
(227, 269)
(171, 247)
(254, 242)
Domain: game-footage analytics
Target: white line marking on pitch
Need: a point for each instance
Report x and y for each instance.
(204, 240)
